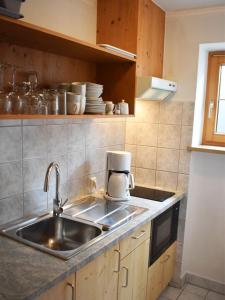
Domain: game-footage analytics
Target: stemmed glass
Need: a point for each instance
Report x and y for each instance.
(33, 98)
(3, 95)
(15, 99)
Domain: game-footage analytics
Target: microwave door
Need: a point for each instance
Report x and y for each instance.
(161, 235)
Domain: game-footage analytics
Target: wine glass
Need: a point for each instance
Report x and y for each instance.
(4, 103)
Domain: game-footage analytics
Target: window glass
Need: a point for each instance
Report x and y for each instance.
(220, 126)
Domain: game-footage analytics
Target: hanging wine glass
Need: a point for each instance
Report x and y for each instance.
(22, 93)
(34, 99)
(4, 105)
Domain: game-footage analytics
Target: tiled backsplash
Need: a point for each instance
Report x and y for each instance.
(158, 138)
(27, 147)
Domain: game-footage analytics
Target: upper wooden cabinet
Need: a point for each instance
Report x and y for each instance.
(137, 26)
(150, 45)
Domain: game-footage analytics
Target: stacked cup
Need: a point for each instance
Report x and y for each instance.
(79, 88)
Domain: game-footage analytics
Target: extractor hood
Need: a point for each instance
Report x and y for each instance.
(153, 88)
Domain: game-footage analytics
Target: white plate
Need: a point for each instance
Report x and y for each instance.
(118, 50)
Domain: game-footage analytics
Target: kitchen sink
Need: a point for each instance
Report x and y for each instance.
(59, 233)
(59, 236)
(77, 228)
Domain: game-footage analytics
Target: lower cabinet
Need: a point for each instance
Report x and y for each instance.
(120, 273)
(98, 279)
(133, 274)
(65, 290)
(160, 273)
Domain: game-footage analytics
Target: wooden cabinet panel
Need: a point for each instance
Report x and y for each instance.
(150, 46)
(117, 23)
(155, 278)
(160, 273)
(140, 274)
(63, 291)
(126, 278)
(134, 240)
(98, 279)
(133, 274)
(169, 263)
(137, 26)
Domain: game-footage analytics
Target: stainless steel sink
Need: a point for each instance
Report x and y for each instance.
(60, 236)
(80, 226)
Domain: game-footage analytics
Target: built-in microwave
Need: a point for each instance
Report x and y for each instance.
(164, 232)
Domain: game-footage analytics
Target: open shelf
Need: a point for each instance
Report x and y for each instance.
(28, 35)
(85, 116)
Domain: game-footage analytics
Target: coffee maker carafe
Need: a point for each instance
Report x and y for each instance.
(119, 180)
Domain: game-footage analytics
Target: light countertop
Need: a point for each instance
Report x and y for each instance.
(25, 273)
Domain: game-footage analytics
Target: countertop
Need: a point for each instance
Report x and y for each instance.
(25, 273)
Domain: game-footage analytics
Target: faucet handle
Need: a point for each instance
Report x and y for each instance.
(64, 202)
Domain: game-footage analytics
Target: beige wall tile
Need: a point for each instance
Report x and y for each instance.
(184, 163)
(131, 133)
(147, 111)
(95, 160)
(146, 157)
(182, 184)
(167, 159)
(188, 113)
(186, 137)
(147, 134)
(105, 134)
(166, 180)
(145, 177)
(169, 136)
(170, 112)
(132, 149)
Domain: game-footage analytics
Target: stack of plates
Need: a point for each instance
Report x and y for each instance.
(95, 106)
(94, 103)
(93, 90)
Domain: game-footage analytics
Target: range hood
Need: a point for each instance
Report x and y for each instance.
(153, 88)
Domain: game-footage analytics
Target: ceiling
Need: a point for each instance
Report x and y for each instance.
(171, 5)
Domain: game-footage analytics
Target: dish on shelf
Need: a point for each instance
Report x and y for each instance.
(118, 50)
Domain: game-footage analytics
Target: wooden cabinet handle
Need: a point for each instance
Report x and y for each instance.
(126, 278)
(118, 265)
(139, 236)
(72, 289)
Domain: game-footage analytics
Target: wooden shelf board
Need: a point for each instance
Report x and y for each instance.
(85, 116)
(28, 35)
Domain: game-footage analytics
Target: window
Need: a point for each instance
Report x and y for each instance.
(214, 120)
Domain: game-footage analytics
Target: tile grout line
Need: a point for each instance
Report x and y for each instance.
(22, 166)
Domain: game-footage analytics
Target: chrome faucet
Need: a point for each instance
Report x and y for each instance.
(57, 201)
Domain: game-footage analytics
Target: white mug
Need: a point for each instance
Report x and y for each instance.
(79, 88)
(73, 103)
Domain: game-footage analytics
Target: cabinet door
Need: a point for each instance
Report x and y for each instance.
(155, 278)
(168, 264)
(133, 274)
(126, 277)
(136, 238)
(98, 280)
(140, 274)
(63, 291)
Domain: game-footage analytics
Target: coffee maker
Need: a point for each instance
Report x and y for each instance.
(119, 180)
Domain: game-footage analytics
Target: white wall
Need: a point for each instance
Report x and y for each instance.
(204, 252)
(184, 32)
(204, 244)
(76, 18)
